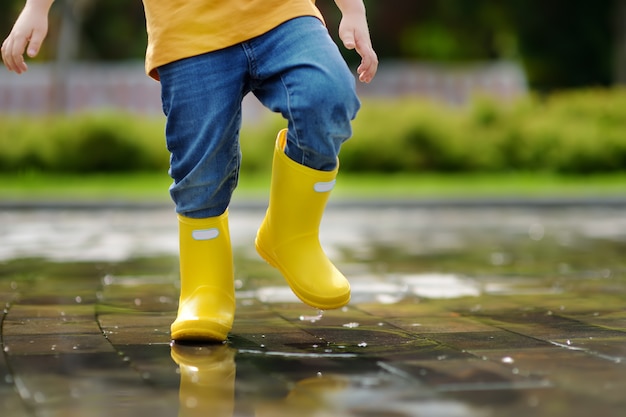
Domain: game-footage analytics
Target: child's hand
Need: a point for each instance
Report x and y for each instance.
(354, 33)
(29, 30)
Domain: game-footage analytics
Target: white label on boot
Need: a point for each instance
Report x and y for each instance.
(323, 187)
(205, 234)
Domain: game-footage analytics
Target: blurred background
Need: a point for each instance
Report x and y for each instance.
(481, 86)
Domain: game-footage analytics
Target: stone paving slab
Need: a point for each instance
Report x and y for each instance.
(90, 337)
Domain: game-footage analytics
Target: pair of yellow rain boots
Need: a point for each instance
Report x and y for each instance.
(288, 239)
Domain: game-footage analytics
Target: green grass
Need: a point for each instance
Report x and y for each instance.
(153, 187)
(481, 185)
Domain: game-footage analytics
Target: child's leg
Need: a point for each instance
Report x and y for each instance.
(301, 74)
(202, 100)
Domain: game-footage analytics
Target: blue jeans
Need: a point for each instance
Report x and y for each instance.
(295, 69)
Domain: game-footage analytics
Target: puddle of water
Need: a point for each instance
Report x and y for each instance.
(431, 295)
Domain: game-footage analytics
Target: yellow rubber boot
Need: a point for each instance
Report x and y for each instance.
(309, 398)
(207, 380)
(207, 294)
(288, 238)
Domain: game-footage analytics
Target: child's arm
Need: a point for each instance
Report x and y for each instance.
(354, 33)
(30, 29)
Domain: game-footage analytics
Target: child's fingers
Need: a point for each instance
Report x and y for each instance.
(366, 73)
(348, 39)
(369, 62)
(13, 53)
(36, 40)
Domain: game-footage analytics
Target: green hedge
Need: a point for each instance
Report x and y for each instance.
(570, 132)
(81, 144)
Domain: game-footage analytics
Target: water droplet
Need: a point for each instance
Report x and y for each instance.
(507, 359)
(263, 336)
(442, 357)
(137, 302)
(74, 392)
(191, 402)
(78, 299)
(6, 349)
(569, 342)
(312, 319)
(498, 258)
(351, 325)
(316, 346)
(362, 344)
(39, 397)
(319, 374)
(381, 324)
(263, 346)
(536, 231)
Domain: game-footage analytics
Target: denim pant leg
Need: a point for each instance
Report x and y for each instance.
(297, 70)
(202, 101)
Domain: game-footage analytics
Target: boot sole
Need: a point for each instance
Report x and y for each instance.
(194, 332)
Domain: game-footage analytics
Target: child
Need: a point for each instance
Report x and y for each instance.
(208, 55)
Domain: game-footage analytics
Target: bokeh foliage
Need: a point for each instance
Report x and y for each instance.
(561, 43)
(575, 132)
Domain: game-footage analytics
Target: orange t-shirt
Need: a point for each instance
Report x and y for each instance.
(180, 29)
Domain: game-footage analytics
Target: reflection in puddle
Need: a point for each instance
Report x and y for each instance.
(207, 380)
(215, 381)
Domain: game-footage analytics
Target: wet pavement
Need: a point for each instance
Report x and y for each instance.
(457, 311)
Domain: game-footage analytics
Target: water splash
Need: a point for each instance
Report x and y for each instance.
(312, 318)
